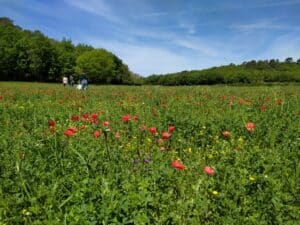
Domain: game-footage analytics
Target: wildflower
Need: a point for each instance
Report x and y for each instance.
(70, 131)
(97, 133)
(106, 123)
(136, 118)
(147, 159)
(94, 116)
(262, 108)
(143, 127)
(208, 170)
(166, 135)
(279, 102)
(250, 126)
(152, 130)
(226, 134)
(25, 212)
(74, 118)
(215, 193)
(171, 128)
(252, 178)
(85, 116)
(94, 120)
(126, 118)
(178, 165)
(51, 123)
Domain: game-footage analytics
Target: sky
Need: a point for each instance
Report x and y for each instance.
(165, 36)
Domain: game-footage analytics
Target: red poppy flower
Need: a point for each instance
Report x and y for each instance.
(136, 117)
(94, 115)
(51, 123)
(94, 120)
(171, 128)
(106, 123)
(250, 126)
(1, 97)
(226, 134)
(73, 129)
(97, 133)
(166, 135)
(208, 170)
(74, 118)
(69, 132)
(143, 127)
(126, 118)
(178, 165)
(262, 108)
(152, 130)
(85, 116)
(279, 102)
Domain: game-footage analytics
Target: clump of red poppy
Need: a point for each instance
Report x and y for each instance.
(208, 170)
(51, 123)
(279, 102)
(250, 126)
(85, 116)
(226, 134)
(126, 118)
(166, 135)
(178, 165)
(70, 131)
(171, 128)
(143, 127)
(74, 118)
(106, 123)
(97, 133)
(152, 130)
(262, 108)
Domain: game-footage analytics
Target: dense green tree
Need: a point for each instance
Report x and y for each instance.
(103, 67)
(252, 72)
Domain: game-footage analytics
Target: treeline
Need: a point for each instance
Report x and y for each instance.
(31, 56)
(252, 72)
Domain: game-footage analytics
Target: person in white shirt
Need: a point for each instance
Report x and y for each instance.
(65, 81)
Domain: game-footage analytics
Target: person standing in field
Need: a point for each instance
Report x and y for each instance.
(83, 81)
(71, 81)
(65, 81)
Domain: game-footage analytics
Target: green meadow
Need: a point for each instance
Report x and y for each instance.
(149, 155)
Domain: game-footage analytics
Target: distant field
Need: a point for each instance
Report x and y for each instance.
(149, 155)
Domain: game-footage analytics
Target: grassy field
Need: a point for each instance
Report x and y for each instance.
(149, 155)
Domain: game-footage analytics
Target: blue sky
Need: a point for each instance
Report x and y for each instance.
(162, 36)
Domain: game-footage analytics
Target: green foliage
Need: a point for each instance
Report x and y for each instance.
(125, 175)
(251, 72)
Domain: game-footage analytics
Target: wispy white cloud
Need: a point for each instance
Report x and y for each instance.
(96, 7)
(266, 25)
(196, 44)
